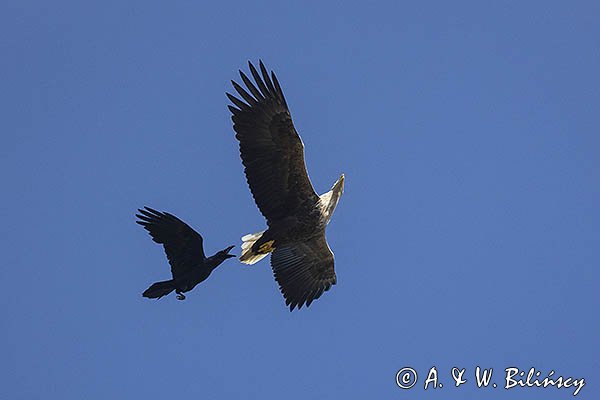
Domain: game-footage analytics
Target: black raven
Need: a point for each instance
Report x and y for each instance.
(273, 155)
(183, 246)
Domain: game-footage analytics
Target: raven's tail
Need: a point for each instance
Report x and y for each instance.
(248, 255)
(159, 289)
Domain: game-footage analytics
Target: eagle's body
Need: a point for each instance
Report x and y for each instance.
(273, 155)
(184, 250)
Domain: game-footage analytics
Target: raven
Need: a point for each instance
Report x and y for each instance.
(183, 246)
(273, 156)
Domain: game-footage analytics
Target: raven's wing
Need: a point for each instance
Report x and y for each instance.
(271, 149)
(182, 244)
(304, 270)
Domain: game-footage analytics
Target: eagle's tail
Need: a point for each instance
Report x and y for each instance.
(248, 255)
(159, 289)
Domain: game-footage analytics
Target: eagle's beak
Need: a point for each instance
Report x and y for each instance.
(339, 185)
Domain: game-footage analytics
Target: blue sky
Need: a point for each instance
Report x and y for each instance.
(468, 234)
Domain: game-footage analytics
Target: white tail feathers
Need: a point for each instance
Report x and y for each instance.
(248, 256)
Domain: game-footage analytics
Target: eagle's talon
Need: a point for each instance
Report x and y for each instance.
(180, 296)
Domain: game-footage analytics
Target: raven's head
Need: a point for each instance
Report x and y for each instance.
(224, 254)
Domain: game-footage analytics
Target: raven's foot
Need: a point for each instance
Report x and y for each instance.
(180, 296)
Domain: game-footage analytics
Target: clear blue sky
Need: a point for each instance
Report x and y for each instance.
(468, 234)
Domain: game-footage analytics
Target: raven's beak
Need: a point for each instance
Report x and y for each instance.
(227, 250)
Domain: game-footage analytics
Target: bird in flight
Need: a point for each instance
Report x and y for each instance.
(183, 246)
(273, 156)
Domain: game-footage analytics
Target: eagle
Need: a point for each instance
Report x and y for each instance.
(183, 246)
(272, 153)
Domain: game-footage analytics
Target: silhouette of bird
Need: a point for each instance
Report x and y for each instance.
(183, 246)
(273, 155)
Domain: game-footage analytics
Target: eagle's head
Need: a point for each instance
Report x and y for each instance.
(338, 186)
(328, 201)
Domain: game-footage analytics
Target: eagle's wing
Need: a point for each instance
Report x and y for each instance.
(182, 244)
(271, 149)
(304, 270)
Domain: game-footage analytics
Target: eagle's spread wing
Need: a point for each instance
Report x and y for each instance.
(182, 244)
(304, 270)
(270, 147)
